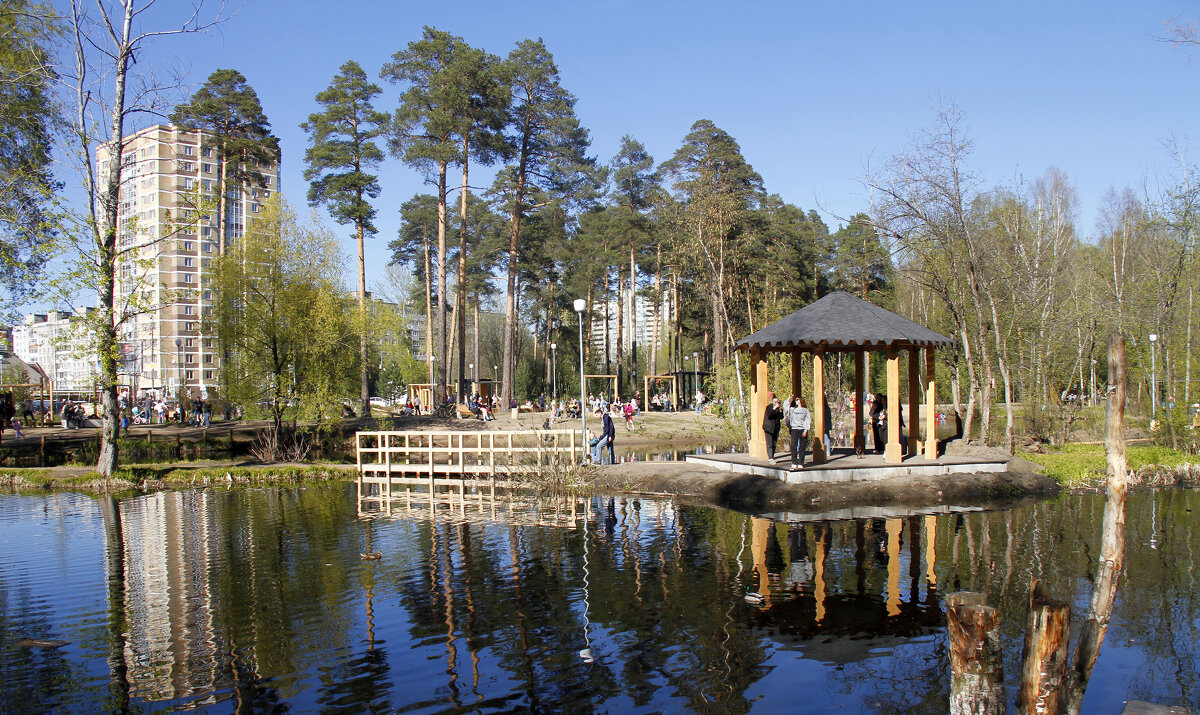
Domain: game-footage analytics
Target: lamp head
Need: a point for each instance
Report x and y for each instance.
(1153, 337)
(580, 305)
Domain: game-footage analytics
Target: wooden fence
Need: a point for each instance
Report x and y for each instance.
(461, 458)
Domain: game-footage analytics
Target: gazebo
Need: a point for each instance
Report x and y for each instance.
(837, 323)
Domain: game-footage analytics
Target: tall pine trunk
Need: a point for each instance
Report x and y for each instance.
(462, 267)
(362, 320)
(443, 362)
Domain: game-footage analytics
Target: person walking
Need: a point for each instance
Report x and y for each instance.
(799, 420)
(774, 414)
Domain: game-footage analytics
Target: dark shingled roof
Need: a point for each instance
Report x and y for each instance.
(842, 320)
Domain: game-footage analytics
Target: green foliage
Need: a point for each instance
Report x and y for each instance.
(283, 319)
(29, 114)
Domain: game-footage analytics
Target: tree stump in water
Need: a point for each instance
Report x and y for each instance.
(976, 661)
(1044, 657)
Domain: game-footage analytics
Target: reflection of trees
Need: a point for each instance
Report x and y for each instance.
(263, 598)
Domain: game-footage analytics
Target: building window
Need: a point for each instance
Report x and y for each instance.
(188, 342)
(208, 247)
(187, 150)
(189, 183)
(189, 326)
(267, 180)
(187, 278)
(208, 374)
(207, 170)
(207, 151)
(189, 357)
(207, 296)
(254, 208)
(208, 358)
(191, 375)
(187, 262)
(187, 310)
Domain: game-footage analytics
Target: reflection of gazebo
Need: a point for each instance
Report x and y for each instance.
(840, 322)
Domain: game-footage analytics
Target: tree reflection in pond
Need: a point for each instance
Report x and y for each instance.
(260, 598)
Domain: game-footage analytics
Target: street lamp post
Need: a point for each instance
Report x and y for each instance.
(696, 378)
(1093, 395)
(580, 307)
(1153, 380)
(474, 389)
(554, 371)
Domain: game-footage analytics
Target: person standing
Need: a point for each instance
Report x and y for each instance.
(879, 422)
(771, 420)
(799, 420)
(610, 434)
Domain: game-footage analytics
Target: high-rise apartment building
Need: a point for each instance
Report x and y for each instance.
(168, 229)
(58, 342)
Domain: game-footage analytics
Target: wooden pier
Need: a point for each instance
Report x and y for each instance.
(466, 459)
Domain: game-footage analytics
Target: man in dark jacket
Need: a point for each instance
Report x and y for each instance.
(608, 432)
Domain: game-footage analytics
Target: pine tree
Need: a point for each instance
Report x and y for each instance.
(237, 134)
(342, 149)
(549, 148)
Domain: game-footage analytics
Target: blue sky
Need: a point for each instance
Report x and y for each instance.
(813, 92)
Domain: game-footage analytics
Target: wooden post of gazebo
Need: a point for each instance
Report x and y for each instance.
(860, 439)
(914, 402)
(758, 402)
(893, 453)
(817, 433)
(930, 406)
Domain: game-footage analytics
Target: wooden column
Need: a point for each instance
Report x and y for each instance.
(860, 439)
(758, 402)
(817, 434)
(930, 406)
(914, 402)
(893, 454)
(797, 376)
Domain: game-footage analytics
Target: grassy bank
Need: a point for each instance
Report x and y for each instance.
(1083, 465)
(169, 476)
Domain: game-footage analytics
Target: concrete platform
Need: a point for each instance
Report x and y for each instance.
(844, 466)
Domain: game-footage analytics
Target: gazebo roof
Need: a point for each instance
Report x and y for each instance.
(840, 320)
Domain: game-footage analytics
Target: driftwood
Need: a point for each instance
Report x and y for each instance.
(976, 661)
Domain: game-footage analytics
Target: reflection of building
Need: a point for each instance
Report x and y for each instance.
(170, 242)
(59, 343)
(168, 544)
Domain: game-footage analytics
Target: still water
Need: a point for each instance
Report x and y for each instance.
(260, 599)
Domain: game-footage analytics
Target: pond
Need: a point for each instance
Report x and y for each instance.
(260, 598)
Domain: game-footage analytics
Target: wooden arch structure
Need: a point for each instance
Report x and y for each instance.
(840, 322)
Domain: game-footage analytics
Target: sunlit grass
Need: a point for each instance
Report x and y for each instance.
(1078, 464)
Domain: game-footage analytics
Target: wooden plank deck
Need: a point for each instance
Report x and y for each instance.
(844, 466)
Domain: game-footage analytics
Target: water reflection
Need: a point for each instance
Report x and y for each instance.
(260, 598)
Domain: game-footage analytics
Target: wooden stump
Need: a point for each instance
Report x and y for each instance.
(976, 661)
(1044, 657)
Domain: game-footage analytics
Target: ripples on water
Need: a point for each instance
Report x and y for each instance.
(260, 598)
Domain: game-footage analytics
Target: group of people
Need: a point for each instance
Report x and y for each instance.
(795, 415)
(798, 419)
